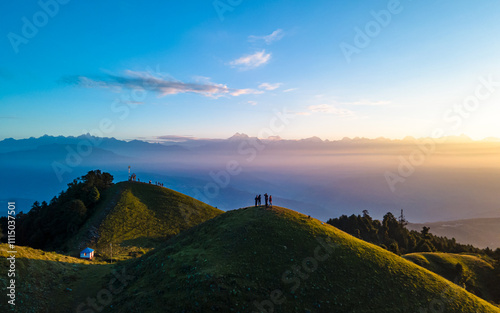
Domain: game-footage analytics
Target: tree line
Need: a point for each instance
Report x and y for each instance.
(391, 234)
(48, 225)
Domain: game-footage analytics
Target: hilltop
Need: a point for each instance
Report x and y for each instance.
(257, 260)
(117, 220)
(136, 216)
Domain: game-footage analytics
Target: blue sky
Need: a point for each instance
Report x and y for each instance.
(214, 68)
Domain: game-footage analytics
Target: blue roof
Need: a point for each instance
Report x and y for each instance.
(87, 250)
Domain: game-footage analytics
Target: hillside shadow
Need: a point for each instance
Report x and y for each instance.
(55, 286)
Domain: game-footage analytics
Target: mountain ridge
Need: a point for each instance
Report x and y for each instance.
(241, 136)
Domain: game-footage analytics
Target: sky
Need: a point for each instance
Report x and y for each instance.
(209, 69)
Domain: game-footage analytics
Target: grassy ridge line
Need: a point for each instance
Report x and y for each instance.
(135, 215)
(235, 260)
(476, 274)
(150, 211)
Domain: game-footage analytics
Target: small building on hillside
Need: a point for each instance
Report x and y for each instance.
(87, 253)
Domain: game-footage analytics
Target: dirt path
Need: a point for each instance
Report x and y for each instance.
(92, 227)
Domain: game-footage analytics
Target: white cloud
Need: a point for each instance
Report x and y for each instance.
(252, 102)
(290, 90)
(330, 109)
(269, 39)
(268, 86)
(252, 61)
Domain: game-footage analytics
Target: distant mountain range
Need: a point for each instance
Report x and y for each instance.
(481, 232)
(10, 144)
(319, 177)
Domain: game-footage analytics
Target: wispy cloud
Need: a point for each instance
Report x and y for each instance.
(268, 86)
(169, 139)
(330, 109)
(269, 39)
(157, 84)
(290, 90)
(241, 92)
(176, 138)
(252, 61)
(252, 102)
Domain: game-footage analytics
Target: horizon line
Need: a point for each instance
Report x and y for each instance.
(237, 135)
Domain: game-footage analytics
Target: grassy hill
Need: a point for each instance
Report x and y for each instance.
(50, 282)
(134, 217)
(476, 274)
(265, 260)
(247, 260)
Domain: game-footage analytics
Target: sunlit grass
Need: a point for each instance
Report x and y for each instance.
(136, 217)
(241, 256)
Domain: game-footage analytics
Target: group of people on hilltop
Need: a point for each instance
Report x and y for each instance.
(156, 183)
(267, 198)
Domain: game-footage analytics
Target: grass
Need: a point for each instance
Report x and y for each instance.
(51, 282)
(136, 217)
(234, 262)
(478, 275)
(133, 215)
(240, 258)
(108, 201)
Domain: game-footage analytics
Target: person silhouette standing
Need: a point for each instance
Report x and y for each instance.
(266, 198)
(260, 200)
(256, 200)
(270, 201)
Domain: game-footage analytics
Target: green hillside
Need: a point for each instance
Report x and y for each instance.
(476, 274)
(247, 260)
(134, 217)
(260, 260)
(50, 282)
